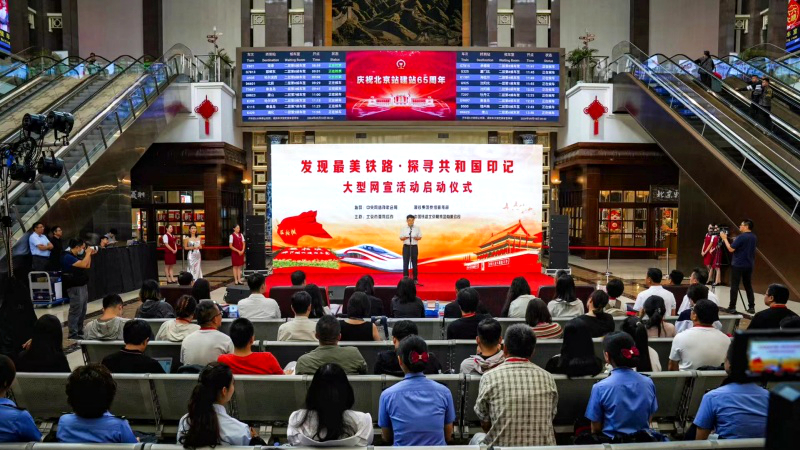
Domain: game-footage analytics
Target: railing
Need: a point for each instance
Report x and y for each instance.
(632, 60)
(591, 69)
(214, 69)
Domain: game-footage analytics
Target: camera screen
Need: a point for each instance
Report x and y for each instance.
(773, 356)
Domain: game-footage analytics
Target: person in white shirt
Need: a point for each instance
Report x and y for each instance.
(301, 328)
(206, 344)
(653, 282)
(410, 235)
(329, 420)
(256, 306)
(213, 391)
(566, 304)
(40, 248)
(702, 345)
(176, 330)
(699, 276)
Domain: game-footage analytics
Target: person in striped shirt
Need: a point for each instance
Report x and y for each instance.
(538, 317)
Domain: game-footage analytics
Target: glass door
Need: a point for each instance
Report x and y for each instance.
(666, 229)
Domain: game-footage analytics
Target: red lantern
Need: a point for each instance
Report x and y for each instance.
(206, 109)
(595, 110)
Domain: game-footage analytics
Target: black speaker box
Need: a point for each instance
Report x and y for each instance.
(235, 293)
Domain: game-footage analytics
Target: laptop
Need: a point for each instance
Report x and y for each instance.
(166, 364)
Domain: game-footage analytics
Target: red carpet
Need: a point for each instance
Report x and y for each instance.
(438, 278)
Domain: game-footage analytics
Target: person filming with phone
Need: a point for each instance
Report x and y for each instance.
(743, 248)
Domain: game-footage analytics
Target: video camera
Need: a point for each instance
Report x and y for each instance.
(766, 355)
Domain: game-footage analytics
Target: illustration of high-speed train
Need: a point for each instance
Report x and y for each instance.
(371, 256)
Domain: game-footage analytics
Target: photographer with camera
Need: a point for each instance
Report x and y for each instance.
(76, 279)
(743, 249)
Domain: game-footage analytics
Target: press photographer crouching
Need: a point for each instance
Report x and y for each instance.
(75, 265)
(743, 249)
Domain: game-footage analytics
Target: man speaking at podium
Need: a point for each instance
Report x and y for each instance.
(410, 235)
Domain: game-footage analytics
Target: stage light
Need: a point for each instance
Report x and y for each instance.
(61, 122)
(21, 172)
(34, 124)
(50, 166)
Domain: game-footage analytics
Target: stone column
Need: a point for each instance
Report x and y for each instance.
(276, 14)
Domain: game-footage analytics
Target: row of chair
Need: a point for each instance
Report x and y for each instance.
(429, 329)
(450, 353)
(153, 402)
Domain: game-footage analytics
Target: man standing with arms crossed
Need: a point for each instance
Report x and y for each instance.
(410, 235)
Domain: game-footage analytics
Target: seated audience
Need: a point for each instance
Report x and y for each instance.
(298, 278)
(625, 401)
(675, 278)
(517, 400)
(614, 288)
(701, 345)
(538, 318)
(176, 330)
(355, 328)
(16, 424)
(301, 328)
(153, 307)
(467, 326)
(319, 307)
(519, 294)
(45, 353)
(654, 287)
(328, 419)
(107, 327)
(90, 392)
(452, 310)
(131, 359)
(201, 290)
(417, 411)
(566, 304)
(243, 361)
(206, 344)
(387, 362)
(776, 298)
(406, 304)
(185, 279)
(733, 410)
(699, 276)
(207, 424)
(490, 349)
(366, 284)
(599, 322)
(653, 314)
(649, 361)
(256, 306)
(693, 294)
(577, 358)
(790, 323)
(329, 334)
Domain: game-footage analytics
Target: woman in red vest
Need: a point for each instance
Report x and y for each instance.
(171, 245)
(236, 244)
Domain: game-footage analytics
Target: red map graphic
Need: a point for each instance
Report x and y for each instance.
(401, 85)
(291, 229)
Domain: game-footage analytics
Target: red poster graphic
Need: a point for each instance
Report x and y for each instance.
(793, 16)
(401, 85)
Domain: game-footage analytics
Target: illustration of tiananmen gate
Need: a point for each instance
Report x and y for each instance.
(510, 240)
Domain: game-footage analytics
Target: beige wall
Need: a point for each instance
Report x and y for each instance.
(110, 28)
(608, 20)
(189, 21)
(684, 26)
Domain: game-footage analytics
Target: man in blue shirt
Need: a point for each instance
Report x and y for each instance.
(16, 424)
(744, 255)
(734, 410)
(40, 248)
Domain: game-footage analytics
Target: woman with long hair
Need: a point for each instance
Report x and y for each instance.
(171, 249)
(648, 361)
(236, 244)
(653, 314)
(366, 284)
(318, 306)
(406, 304)
(519, 294)
(599, 322)
(577, 358)
(208, 424)
(177, 329)
(201, 289)
(153, 307)
(355, 328)
(566, 304)
(193, 244)
(538, 317)
(45, 353)
(328, 418)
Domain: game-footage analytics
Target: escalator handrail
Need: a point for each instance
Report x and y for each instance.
(743, 147)
(776, 120)
(784, 66)
(775, 83)
(68, 62)
(19, 64)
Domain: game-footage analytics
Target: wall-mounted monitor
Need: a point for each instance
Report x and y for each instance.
(5, 36)
(354, 86)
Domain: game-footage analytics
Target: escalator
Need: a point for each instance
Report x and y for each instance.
(739, 171)
(786, 99)
(118, 115)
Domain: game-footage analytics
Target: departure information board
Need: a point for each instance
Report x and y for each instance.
(400, 86)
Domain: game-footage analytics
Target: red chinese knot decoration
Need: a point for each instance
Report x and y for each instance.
(206, 109)
(595, 110)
